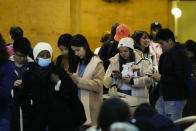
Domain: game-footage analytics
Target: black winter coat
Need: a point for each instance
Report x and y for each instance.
(44, 107)
(66, 99)
(173, 67)
(108, 50)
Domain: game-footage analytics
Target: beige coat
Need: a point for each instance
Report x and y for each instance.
(140, 83)
(91, 85)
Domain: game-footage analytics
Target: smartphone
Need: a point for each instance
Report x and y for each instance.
(116, 72)
(149, 75)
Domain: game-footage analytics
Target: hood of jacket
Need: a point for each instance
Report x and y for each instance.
(29, 59)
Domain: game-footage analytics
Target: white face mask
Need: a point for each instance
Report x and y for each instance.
(44, 62)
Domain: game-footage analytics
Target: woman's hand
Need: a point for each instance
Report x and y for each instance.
(126, 79)
(156, 76)
(54, 78)
(18, 83)
(74, 77)
(148, 41)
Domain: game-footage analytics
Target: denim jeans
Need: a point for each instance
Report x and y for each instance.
(171, 109)
(4, 124)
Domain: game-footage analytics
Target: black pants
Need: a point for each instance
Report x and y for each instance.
(15, 118)
(190, 107)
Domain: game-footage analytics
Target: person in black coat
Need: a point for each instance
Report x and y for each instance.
(35, 89)
(173, 69)
(54, 105)
(21, 62)
(109, 47)
(50, 97)
(65, 109)
(190, 107)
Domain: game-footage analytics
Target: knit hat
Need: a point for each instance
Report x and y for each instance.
(126, 42)
(122, 31)
(41, 46)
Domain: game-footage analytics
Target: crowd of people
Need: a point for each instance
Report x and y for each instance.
(39, 94)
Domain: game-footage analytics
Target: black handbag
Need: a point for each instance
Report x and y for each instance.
(154, 93)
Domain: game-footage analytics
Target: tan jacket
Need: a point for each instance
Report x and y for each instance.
(91, 85)
(140, 83)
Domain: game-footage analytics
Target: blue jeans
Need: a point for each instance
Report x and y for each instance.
(4, 124)
(171, 109)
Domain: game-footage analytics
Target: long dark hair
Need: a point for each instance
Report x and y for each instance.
(131, 57)
(137, 36)
(79, 41)
(4, 55)
(64, 40)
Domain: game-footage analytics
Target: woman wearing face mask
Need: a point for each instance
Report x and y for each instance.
(142, 43)
(35, 84)
(87, 72)
(134, 85)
